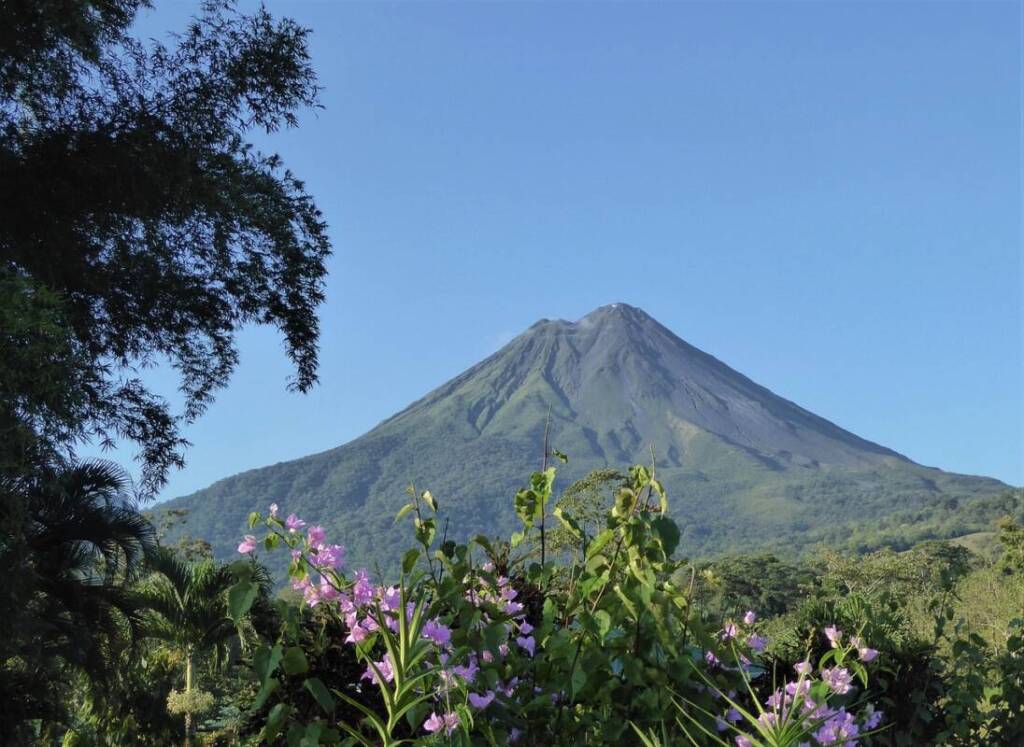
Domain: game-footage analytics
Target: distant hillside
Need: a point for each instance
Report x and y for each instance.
(745, 468)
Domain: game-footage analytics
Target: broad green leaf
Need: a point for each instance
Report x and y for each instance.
(265, 661)
(240, 599)
(264, 692)
(275, 721)
(668, 533)
(409, 560)
(254, 519)
(320, 693)
(294, 661)
(579, 679)
(403, 511)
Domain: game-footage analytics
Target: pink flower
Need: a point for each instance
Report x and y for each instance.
(437, 632)
(248, 544)
(481, 701)
(273, 510)
(487, 656)
(449, 722)
(356, 634)
(803, 668)
(317, 535)
(749, 618)
(865, 653)
(293, 523)
(729, 631)
(742, 741)
(527, 643)
(834, 635)
(384, 667)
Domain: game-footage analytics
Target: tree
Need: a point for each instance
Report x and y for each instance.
(187, 606)
(67, 606)
(137, 224)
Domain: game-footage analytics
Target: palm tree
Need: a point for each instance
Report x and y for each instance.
(187, 607)
(72, 545)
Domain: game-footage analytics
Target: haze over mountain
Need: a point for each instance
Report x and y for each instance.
(744, 468)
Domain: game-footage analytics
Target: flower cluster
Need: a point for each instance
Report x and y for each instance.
(804, 701)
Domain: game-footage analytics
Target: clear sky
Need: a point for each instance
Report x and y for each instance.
(825, 196)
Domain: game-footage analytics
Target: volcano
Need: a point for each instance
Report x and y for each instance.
(745, 469)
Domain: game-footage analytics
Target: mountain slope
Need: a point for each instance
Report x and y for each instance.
(745, 469)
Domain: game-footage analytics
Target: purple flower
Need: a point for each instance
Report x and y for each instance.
(756, 642)
(467, 671)
(834, 635)
(749, 618)
(330, 556)
(293, 523)
(481, 701)
(867, 654)
(384, 667)
(840, 729)
(838, 680)
(437, 632)
(525, 628)
(527, 643)
(733, 715)
(803, 668)
(513, 608)
(362, 589)
(729, 631)
(317, 535)
(720, 724)
(248, 544)
(449, 722)
(711, 659)
(874, 718)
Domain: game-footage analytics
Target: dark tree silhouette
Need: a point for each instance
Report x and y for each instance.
(137, 223)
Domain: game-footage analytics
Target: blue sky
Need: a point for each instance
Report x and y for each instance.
(825, 196)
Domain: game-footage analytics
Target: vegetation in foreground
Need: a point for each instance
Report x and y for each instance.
(578, 630)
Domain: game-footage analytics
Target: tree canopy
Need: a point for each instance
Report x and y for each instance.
(138, 225)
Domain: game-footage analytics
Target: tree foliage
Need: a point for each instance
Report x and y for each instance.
(136, 217)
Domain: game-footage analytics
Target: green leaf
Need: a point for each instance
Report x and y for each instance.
(254, 519)
(579, 679)
(264, 692)
(409, 560)
(604, 622)
(275, 721)
(403, 511)
(668, 533)
(265, 661)
(517, 538)
(271, 541)
(320, 693)
(294, 661)
(240, 599)
(425, 531)
(559, 456)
